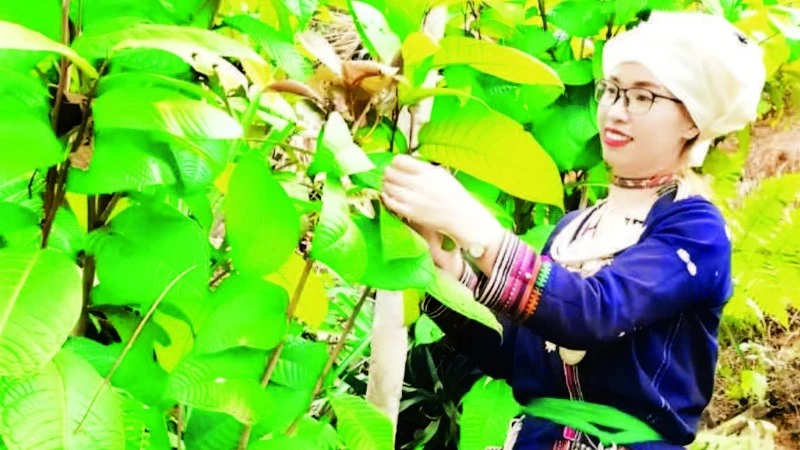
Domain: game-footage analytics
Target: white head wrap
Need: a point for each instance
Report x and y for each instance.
(705, 61)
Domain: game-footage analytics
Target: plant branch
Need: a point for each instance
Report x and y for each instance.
(59, 190)
(272, 363)
(130, 343)
(348, 327)
(62, 73)
(109, 208)
(543, 15)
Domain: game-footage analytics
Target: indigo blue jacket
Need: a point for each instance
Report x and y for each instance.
(648, 322)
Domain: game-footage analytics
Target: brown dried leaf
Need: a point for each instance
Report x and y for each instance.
(354, 72)
(297, 88)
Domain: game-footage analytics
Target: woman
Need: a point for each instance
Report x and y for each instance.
(610, 335)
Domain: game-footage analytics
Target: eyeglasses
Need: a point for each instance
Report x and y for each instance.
(637, 100)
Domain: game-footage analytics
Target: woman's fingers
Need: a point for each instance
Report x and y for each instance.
(409, 164)
(394, 205)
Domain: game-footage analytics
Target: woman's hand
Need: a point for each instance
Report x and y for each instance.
(431, 197)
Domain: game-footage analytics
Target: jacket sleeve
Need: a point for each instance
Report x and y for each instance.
(682, 262)
(492, 353)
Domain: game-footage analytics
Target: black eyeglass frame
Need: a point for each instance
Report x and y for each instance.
(624, 93)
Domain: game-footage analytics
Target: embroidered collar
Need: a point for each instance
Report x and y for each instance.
(644, 183)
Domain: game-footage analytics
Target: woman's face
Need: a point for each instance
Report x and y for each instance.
(647, 137)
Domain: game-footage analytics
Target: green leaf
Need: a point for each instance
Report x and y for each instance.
(488, 408)
(262, 225)
(150, 61)
(67, 234)
(161, 110)
(493, 148)
(145, 427)
(575, 73)
(283, 54)
(17, 37)
(537, 236)
(533, 40)
(579, 18)
(503, 62)
(143, 80)
(360, 424)
(426, 331)
(30, 92)
(566, 132)
(229, 382)
(392, 274)
(373, 178)
(375, 32)
(300, 364)
(145, 248)
(398, 239)
(457, 297)
(302, 9)
(336, 151)
(42, 411)
(405, 17)
(139, 373)
(205, 50)
(310, 435)
(263, 325)
(123, 161)
(28, 142)
(41, 298)
(337, 240)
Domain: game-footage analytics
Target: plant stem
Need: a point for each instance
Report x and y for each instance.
(108, 209)
(59, 189)
(272, 363)
(129, 344)
(336, 350)
(62, 73)
(543, 15)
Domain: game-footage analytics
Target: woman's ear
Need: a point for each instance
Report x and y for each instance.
(691, 132)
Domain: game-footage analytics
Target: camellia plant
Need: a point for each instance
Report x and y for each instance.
(186, 183)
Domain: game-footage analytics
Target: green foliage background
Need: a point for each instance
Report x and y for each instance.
(189, 211)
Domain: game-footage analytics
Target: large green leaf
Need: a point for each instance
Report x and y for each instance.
(375, 32)
(30, 92)
(42, 411)
(310, 435)
(283, 54)
(161, 110)
(373, 178)
(145, 427)
(261, 327)
(67, 235)
(493, 148)
(405, 16)
(360, 424)
(488, 408)
(398, 240)
(229, 382)
(395, 274)
(150, 61)
(457, 297)
(28, 142)
(262, 225)
(20, 227)
(579, 18)
(337, 240)
(566, 133)
(40, 302)
(302, 9)
(144, 249)
(300, 364)
(503, 62)
(123, 161)
(336, 153)
(203, 49)
(138, 373)
(144, 80)
(16, 37)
